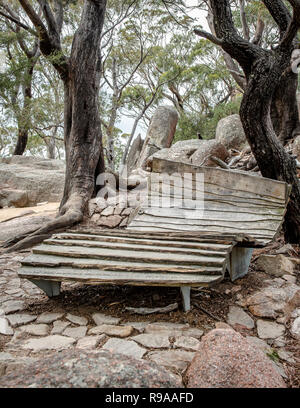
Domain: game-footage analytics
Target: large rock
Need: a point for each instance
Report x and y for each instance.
(230, 132)
(227, 360)
(41, 179)
(192, 151)
(10, 197)
(160, 133)
(134, 153)
(90, 369)
(209, 148)
(277, 265)
(273, 299)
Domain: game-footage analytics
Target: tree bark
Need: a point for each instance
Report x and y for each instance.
(24, 121)
(82, 129)
(266, 72)
(272, 159)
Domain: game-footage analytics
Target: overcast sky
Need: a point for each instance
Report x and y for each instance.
(125, 123)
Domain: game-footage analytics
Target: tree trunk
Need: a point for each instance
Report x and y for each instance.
(21, 142)
(82, 130)
(284, 108)
(24, 121)
(83, 137)
(271, 157)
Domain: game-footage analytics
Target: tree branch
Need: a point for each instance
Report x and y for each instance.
(25, 27)
(49, 42)
(208, 36)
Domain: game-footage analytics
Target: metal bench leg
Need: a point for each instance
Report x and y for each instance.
(186, 298)
(51, 288)
(239, 262)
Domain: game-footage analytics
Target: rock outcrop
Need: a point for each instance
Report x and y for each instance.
(83, 369)
(193, 151)
(26, 181)
(227, 360)
(230, 133)
(160, 133)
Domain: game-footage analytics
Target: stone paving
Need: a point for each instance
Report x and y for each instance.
(171, 345)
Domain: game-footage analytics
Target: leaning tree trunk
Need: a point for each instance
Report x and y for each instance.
(24, 121)
(271, 157)
(82, 130)
(284, 108)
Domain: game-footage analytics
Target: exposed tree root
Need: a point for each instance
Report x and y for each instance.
(71, 213)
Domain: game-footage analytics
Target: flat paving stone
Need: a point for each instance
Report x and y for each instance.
(17, 320)
(185, 342)
(12, 306)
(178, 359)
(36, 329)
(81, 321)
(59, 326)
(237, 315)
(111, 330)
(5, 328)
(75, 332)
(286, 356)
(90, 342)
(139, 326)
(173, 329)
(55, 342)
(48, 318)
(152, 340)
(269, 330)
(100, 318)
(127, 347)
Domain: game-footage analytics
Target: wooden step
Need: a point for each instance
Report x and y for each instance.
(94, 276)
(128, 255)
(134, 247)
(36, 260)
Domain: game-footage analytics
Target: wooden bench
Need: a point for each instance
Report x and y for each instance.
(189, 242)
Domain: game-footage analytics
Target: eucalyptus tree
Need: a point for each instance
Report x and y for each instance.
(256, 25)
(265, 71)
(80, 73)
(22, 54)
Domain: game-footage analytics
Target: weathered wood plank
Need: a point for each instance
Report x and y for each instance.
(177, 184)
(169, 235)
(149, 242)
(93, 276)
(226, 178)
(229, 207)
(54, 261)
(134, 247)
(194, 215)
(168, 223)
(161, 190)
(258, 241)
(149, 257)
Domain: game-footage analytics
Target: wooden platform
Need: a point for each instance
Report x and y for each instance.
(189, 243)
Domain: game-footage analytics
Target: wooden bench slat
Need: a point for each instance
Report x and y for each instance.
(93, 276)
(148, 242)
(54, 261)
(99, 253)
(135, 247)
